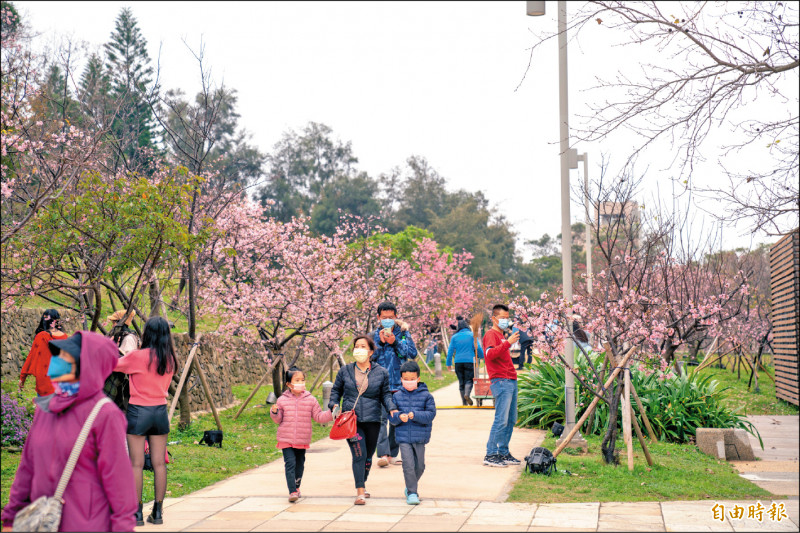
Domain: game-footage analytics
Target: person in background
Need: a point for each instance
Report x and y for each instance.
(100, 495)
(580, 336)
(430, 350)
(393, 346)
(149, 371)
(503, 378)
(38, 360)
(117, 386)
(365, 385)
(415, 412)
(526, 345)
(293, 412)
(462, 351)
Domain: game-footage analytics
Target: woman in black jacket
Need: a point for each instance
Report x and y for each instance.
(372, 382)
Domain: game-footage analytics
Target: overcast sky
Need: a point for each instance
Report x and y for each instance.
(435, 79)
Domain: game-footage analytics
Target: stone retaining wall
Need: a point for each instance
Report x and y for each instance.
(226, 361)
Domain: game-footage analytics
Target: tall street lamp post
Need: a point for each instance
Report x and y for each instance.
(538, 9)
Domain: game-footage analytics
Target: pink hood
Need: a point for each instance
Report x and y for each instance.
(101, 494)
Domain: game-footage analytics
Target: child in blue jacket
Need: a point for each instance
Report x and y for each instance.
(416, 409)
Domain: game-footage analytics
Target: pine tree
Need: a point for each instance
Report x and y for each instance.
(130, 74)
(95, 93)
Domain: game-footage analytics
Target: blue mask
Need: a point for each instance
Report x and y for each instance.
(58, 367)
(387, 322)
(503, 323)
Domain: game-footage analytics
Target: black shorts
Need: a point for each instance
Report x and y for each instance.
(147, 420)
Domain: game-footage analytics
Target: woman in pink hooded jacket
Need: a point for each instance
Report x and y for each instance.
(100, 495)
(293, 412)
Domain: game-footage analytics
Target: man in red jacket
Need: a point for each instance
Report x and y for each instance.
(503, 377)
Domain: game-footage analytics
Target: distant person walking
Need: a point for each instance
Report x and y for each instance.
(100, 494)
(414, 418)
(38, 360)
(503, 378)
(368, 383)
(393, 346)
(293, 412)
(150, 372)
(462, 351)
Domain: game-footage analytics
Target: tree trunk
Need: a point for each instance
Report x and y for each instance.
(669, 351)
(610, 438)
(695, 349)
(184, 403)
(277, 379)
(98, 306)
(154, 293)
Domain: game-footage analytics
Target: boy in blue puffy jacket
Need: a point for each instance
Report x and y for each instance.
(416, 409)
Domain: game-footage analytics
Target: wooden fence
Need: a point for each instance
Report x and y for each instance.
(784, 261)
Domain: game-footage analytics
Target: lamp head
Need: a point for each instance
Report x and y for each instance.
(557, 429)
(534, 9)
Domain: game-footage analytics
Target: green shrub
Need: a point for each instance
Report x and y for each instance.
(675, 405)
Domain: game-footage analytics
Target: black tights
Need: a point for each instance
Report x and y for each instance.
(294, 459)
(362, 447)
(158, 449)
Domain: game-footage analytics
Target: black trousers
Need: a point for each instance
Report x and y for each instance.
(524, 357)
(362, 447)
(465, 372)
(294, 460)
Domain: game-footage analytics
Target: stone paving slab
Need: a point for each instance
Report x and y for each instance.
(567, 515)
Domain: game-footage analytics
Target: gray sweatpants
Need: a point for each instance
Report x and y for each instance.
(413, 456)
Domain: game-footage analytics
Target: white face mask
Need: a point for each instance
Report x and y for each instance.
(299, 387)
(360, 355)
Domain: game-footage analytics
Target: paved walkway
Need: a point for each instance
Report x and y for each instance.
(778, 470)
(457, 492)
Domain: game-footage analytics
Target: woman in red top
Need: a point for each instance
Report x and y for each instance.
(150, 371)
(38, 360)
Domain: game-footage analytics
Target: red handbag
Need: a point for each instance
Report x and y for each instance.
(344, 427)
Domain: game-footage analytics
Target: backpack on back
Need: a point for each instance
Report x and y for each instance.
(540, 461)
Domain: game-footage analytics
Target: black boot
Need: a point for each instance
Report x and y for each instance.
(138, 515)
(155, 515)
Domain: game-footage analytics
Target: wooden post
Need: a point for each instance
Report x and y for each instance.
(626, 416)
(422, 360)
(328, 361)
(592, 405)
(641, 438)
(207, 390)
(644, 415)
(267, 374)
(765, 370)
(182, 381)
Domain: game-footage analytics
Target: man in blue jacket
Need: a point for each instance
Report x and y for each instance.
(414, 418)
(462, 346)
(393, 346)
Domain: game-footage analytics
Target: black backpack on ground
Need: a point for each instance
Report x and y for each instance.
(540, 461)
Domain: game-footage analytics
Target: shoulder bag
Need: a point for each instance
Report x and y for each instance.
(344, 427)
(44, 514)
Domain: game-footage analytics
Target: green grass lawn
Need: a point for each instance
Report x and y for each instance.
(680, 472)
(749, 402)
(248, 442)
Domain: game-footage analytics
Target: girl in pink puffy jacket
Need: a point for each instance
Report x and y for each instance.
(293, 413)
